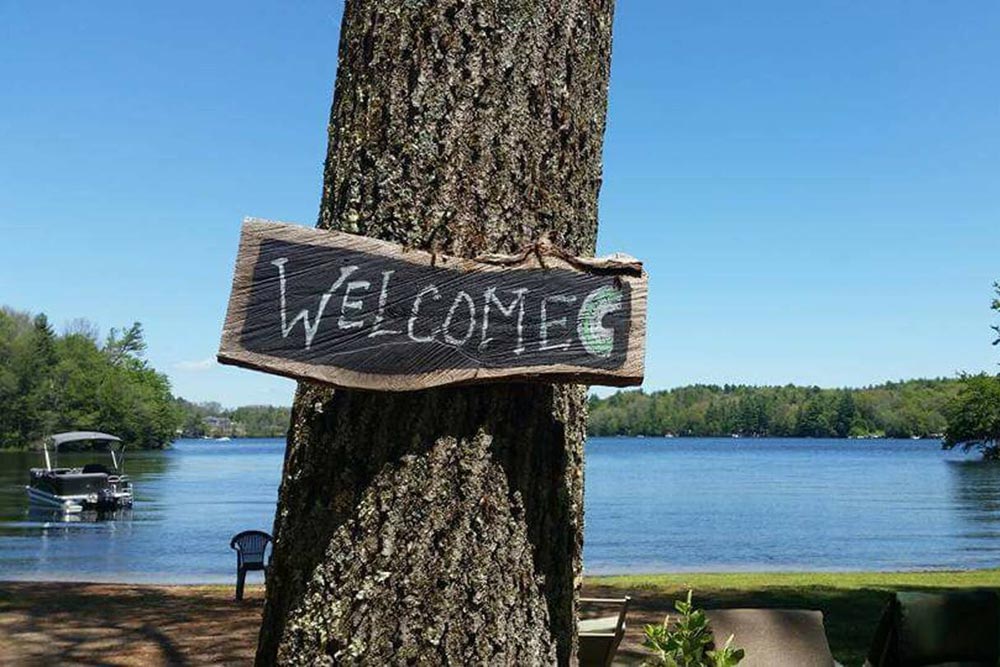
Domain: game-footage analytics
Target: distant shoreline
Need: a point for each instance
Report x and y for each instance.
(239, 438)
(891, 410)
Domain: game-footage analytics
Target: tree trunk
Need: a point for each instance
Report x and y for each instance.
(445, 526)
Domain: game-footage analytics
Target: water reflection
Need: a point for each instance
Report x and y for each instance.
(48, 517)
(975, 488)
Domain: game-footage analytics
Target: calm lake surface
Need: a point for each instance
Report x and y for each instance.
(652, 505)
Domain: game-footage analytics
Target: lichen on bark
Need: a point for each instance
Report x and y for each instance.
(374, 599)
(445, 526)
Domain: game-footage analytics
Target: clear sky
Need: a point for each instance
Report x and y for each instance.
(814, 186)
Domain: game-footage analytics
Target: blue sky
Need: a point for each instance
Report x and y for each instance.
(814, 186)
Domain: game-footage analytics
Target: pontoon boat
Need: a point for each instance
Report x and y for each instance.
(92, 487)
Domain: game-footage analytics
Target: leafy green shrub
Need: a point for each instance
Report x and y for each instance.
(685, 642)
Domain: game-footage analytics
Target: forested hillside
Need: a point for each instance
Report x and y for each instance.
(894, 409)
(51, 383)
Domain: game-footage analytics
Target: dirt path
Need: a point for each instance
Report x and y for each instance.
(99, 624)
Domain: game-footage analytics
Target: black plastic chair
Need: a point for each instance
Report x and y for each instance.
(250, 546)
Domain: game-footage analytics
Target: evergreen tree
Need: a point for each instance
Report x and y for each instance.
(846, 416)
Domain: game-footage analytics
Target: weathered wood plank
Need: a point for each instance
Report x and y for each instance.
(353, 311)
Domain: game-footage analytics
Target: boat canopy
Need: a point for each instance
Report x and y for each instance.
(82, 436)
(79, 436)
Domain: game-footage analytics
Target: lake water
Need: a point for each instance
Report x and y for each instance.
(652, 505)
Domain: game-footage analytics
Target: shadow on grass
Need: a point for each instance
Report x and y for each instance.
(96, 624)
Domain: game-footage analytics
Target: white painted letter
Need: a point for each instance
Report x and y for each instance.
(490, 296)
(558, 321)
(310, 329)
(383, 297)
(451, 313)
(430, 289)
(353, 304)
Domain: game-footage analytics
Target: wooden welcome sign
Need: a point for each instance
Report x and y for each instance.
(357, 312)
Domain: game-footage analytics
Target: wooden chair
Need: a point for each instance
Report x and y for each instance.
(250, 546)
(599, 637)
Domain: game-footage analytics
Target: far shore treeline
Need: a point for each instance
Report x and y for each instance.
(893, 410)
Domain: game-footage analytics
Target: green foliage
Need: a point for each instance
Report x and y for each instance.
(51, 383)
(974, 416)
(894, 409)
(127, 345)
(727, 656)
(686, 641)
(262, 421)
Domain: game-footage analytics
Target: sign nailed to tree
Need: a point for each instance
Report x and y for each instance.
(357, 312)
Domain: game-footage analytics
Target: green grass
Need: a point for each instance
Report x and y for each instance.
(851, 602)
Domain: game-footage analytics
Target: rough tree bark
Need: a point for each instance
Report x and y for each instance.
(445, 526)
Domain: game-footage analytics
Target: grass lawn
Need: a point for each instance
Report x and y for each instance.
(851, 602)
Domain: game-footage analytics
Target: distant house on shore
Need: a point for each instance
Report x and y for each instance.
(218, 427)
